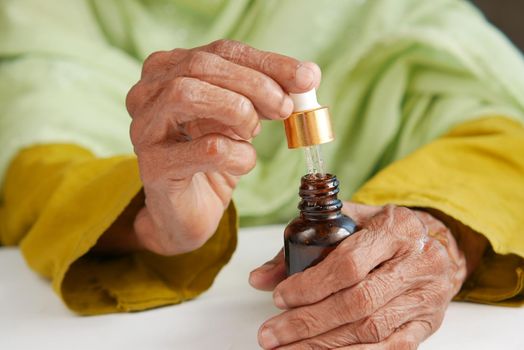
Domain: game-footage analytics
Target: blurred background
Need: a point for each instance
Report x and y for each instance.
(507, 15)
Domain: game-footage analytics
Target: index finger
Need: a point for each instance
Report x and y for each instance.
(293, 75)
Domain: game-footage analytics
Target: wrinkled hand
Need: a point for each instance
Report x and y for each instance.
(194, 112)
(386, 287)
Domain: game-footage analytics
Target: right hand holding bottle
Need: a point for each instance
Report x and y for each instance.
(194, 112)
(385, 287)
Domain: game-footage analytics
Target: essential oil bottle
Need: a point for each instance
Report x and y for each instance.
(320, 226)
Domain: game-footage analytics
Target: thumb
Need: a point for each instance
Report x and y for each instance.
(269, 275)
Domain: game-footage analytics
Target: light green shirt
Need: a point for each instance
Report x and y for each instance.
(396, 74)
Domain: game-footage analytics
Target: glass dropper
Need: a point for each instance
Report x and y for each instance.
(314, 162)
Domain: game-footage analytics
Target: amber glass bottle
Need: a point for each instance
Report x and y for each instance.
(320, 227)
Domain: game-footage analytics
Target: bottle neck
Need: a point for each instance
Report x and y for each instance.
(319, 197)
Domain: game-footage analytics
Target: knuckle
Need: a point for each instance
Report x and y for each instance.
(345, 308)
(153, 58)
(438, 256)
(408, 227)
(152, 61)
(181, 88)
(250, 160)
(198, 61)
(142, 97)
(291, 290)
(244, 107)
(220, 45)
(301, 325)
(390, 208)
(352, 269)
(365, 299)
(239, 108)
(424, 216)
(133, 98)
(245, 163)
(407, 218)
(374, 330)
(266, 84)
(228, 48)
(266, 61)
(176, 54)
(401, 212)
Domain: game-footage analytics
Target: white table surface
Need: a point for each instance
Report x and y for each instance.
(226, 317)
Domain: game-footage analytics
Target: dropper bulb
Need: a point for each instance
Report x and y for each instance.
(306, 101)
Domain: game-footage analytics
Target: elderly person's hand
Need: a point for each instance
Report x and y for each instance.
(385, 287)
(194, 112)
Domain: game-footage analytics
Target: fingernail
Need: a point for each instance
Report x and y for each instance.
(304, 77)
(262, 269)
(267, 339)
(252, 279)
(257, 130)
(287, 107)
(278, 300)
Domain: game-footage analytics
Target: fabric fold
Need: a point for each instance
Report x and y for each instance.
(474, 175)
(60, 199)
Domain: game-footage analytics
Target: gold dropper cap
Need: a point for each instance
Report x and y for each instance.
(309, 124)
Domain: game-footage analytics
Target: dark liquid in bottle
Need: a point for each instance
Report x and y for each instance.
(320, 227)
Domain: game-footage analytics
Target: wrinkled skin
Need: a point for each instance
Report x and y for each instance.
(194, 113)
(386, 287)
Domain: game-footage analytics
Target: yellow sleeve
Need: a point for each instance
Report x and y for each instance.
(474, 174)
(57, 200)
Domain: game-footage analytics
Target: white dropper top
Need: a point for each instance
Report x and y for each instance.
(305, 101)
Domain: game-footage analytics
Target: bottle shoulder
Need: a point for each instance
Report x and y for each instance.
(327, 232)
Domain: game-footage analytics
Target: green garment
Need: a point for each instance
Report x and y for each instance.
(396, 74)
